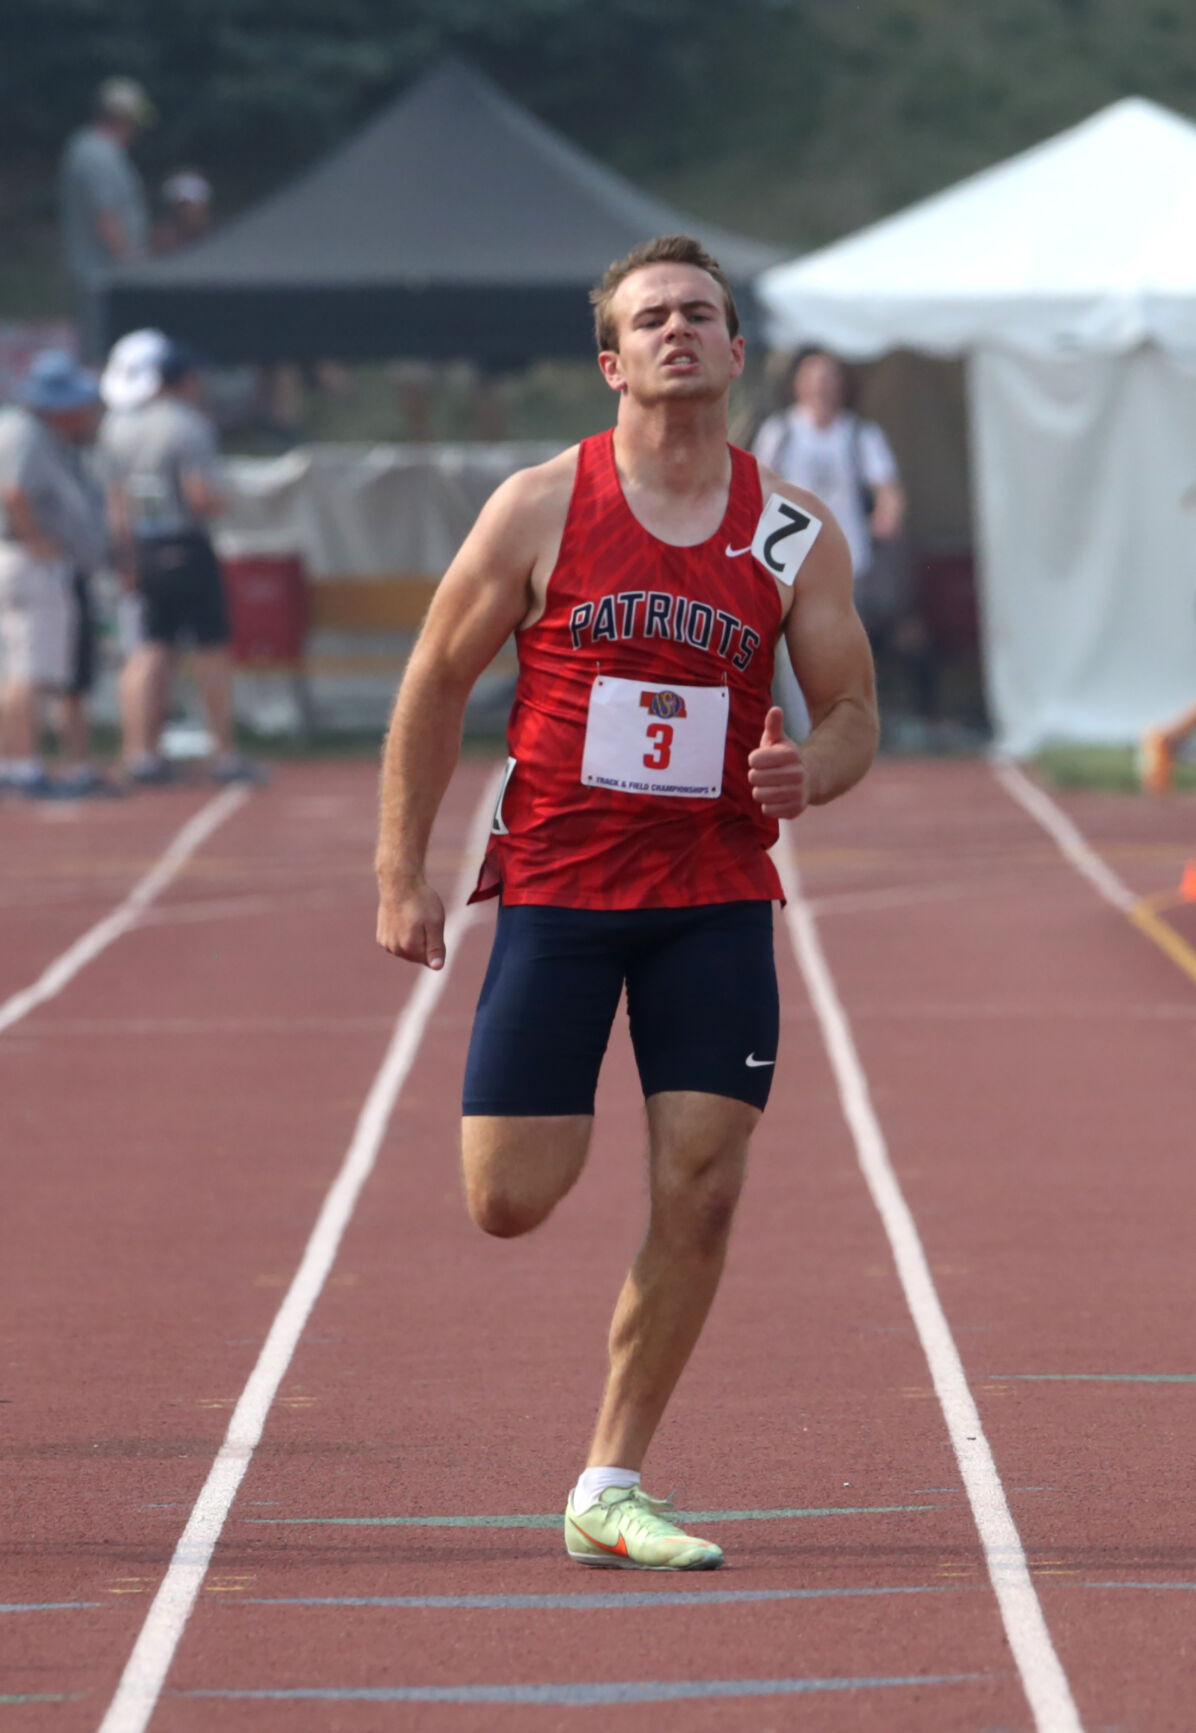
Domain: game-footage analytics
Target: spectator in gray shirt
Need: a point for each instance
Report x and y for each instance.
(103, 207)
(51, 527)
(161, 463)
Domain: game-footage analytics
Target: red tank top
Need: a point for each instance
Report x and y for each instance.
(637, 617)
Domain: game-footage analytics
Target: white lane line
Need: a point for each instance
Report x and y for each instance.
(85, 950)
(1071, 843)
(145, 1674)
(1141, 912)
(1043, 1678)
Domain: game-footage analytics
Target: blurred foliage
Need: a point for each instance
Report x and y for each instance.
(551, 400)
(794, 119)
(1106, 769)
(364, 403)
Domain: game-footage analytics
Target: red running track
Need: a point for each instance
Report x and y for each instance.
(175, 1117)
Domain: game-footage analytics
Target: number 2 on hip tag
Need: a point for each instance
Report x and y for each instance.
(784, 536)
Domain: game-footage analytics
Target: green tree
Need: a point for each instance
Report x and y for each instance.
(798, 119)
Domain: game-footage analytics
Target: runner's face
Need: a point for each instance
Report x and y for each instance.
(673, 337)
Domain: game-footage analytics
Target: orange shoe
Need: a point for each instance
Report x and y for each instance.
(1155, 768)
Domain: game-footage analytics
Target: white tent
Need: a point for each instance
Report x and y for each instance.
(1067, 276)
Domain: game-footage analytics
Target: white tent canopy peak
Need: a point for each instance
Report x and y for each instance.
(1085, 243)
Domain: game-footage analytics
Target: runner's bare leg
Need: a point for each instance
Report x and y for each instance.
(697, 1158)
(518, 1168)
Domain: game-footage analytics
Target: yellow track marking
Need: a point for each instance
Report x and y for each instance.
(1147, 920)
(1141, 912)
(1160, 900)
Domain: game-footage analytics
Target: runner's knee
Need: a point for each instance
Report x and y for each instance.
(505, 1217)
(507, 1207)
(517, 1170)
(694, 1205)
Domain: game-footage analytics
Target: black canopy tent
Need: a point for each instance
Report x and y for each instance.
(454, 225)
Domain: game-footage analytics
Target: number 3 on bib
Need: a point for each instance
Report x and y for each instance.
(662, 734)
(676, 748)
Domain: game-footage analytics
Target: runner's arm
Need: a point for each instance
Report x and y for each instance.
(478, 604)
(832, 661)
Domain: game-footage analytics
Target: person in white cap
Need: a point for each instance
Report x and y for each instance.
(132, 378)
(51, 527)
(133, 373)
(161, 462)
(102, 202)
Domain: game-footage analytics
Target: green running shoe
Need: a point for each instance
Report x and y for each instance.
(629, 1531)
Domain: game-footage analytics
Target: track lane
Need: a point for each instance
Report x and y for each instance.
(493, 1391)
(1032, 1057)
(153, 1654)
(162, 1186)
(64, 867)
(1047, 1690)
(493, 1355)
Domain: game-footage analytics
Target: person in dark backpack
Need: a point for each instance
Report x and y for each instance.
(819, 442)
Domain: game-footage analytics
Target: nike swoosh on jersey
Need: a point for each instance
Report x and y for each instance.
(754, 1064)
(736, 553)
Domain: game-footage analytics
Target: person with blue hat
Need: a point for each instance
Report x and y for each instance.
(52, 526)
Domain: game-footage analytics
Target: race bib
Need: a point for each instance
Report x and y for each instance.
(649, 739)
(784, 536)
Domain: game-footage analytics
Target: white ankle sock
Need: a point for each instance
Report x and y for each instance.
(593, 1482)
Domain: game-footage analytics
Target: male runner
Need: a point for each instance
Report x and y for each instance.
(648, 574)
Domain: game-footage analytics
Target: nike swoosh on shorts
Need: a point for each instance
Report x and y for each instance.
(754, 1064)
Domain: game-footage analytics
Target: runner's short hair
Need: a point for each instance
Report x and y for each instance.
(664, 250)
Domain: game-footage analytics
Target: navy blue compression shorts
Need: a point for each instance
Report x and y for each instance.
(701, 1001)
